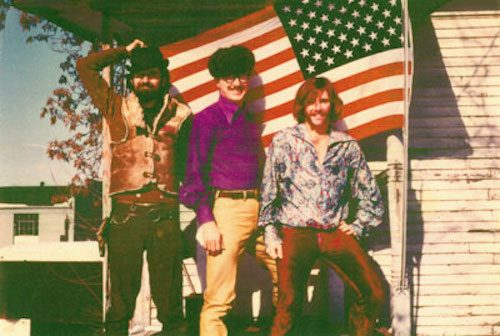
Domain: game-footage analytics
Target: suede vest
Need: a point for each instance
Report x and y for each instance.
(148, 158)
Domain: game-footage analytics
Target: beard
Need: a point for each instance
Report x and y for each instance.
(146, 92)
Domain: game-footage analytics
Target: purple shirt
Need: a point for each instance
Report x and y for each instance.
(224, 153)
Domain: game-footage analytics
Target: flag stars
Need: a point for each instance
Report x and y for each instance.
(397, 20)
(386, 13)
(336, 49)
(362, 3)
(318, 29)
(373, 36)
(304, 52)
(354, 42)
(367, 47)
(299, 11)
(305, 2)
(331, 7)
(311, 15)
(356, 14)
(304, 25)
(393, 2)
(392, 31)
(385, 41)
(324, 18)
(299, 37)
(329, 61)
(323, 45)
(292, 22)
(343, 37)
(348, 53)
(402, 38)
(330, 32)
(311, 68)
(368, 18)
(380, 24)
(361, 30)
(349, 25)
(375, 7)
(337, 22)
(351, 1)
(318, 3)
(287, 9)
(311, 41)
(317, 57)
(343, 10)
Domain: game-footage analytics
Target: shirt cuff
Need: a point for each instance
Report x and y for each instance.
(271, 235)
(204, 215)
(359, 229)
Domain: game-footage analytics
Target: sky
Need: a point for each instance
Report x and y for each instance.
(28, 74)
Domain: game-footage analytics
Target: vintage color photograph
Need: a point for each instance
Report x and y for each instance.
(258, 167)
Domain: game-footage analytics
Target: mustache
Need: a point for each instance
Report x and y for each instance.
(145, 85)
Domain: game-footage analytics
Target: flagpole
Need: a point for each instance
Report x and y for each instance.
(401, 298)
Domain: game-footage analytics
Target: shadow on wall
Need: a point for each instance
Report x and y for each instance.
(436, 126)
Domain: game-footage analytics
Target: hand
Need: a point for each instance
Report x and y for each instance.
(135, 44)
(212, 238)
(347, 228)
(275, 250)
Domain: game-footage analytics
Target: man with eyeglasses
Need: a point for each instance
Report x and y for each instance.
(222, 180)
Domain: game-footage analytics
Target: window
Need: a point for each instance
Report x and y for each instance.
(25, 224)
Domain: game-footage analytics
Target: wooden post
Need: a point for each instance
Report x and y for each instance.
(400, 299)
(105, 164)
(398, 161)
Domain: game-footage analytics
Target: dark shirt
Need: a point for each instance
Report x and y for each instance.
(225, 151)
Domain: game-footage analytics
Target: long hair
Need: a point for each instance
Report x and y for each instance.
(307, 94)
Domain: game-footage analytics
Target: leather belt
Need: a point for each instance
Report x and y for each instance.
(238, 194)
(155, 212)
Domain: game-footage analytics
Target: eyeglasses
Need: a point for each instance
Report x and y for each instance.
(231, 79)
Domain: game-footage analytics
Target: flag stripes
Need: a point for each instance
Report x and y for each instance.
(371, 87)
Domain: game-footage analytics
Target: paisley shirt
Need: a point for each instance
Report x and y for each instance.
(298, 192)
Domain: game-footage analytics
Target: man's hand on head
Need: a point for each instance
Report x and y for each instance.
(135, 44)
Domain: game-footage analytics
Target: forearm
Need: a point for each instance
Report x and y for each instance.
(103, 97)
(370, 206)
(97, 61)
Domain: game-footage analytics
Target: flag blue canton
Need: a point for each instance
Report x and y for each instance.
(328, 34)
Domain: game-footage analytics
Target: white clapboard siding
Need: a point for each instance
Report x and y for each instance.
(454, 190)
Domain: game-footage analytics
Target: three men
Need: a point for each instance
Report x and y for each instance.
(222, 182)
(223, 175)
(149, 131)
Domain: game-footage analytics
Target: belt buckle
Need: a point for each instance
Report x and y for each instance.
(245, 195)
(154, 214)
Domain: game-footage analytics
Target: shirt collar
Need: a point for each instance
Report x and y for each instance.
(229, 108)
(335, 136)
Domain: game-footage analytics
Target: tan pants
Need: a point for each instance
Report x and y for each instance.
(237, 221)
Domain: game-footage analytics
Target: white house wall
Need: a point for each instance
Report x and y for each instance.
(50, 222)
(454, 195)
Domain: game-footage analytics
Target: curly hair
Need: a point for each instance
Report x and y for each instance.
(234, 61)
(309, 91)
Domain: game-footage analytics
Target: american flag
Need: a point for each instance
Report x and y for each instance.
(357, 44)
